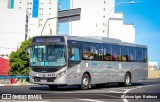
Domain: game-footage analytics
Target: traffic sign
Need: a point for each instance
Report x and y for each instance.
(69, 15)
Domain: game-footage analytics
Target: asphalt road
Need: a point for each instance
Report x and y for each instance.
(141, 91)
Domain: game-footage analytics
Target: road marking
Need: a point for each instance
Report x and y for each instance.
(90, 100)
(125, 100)
(108, 95)
(115, 92)
(125, 89)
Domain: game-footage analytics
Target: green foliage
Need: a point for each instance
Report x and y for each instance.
(19, 61)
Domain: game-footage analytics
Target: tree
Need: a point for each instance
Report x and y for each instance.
(19, 61)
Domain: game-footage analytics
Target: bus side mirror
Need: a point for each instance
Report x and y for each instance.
(27, 51)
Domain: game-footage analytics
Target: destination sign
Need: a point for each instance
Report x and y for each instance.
(48, 39)
(55, 39)
(40, 40)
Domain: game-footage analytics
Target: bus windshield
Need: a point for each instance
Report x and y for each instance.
(48, 55)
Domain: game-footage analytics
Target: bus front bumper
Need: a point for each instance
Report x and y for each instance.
(48, 80)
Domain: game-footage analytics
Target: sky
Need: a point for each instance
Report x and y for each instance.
(145, 15)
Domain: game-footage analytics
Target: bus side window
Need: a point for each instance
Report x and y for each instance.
(145, 55)
(116, 53)
(97, 52)
(139, 55)
(124, 53)
(74, 54)
(88, 52)
(107, 53)
(131, 54)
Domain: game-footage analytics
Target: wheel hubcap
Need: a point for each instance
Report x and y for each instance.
(85, 81)
(127, 80)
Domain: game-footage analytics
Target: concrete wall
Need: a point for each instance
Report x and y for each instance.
(153, 74)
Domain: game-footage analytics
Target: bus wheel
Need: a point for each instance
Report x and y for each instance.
(53, 86)
(85, 82)
(127, 80)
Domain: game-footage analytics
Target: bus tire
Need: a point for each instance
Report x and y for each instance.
(53, 87)
(85, 82)
(127, 81)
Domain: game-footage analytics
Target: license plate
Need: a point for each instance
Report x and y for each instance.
(43, 80)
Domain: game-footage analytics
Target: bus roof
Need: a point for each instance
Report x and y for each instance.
(97, 39)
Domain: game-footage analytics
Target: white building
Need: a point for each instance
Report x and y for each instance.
(152, 65)
(97, 16)
(118, 29)
(12, 29)
(46, 9)
(39, 11)
(20, 19)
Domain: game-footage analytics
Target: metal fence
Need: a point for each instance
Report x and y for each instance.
(8, 79)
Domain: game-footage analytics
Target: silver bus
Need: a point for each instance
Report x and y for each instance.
(86, 61)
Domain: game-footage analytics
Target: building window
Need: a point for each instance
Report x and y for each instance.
(35, 8)
(103, 16)
(104, 2)
(11, 4)
(104, 9)
(40, 13)
(103, 31)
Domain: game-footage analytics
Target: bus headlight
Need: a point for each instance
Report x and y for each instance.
(60, 74)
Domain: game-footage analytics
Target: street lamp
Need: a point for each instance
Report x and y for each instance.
(129, 2)
(46, 23)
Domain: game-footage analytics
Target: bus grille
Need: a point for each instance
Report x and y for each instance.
(49, 79)
(45, 70)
